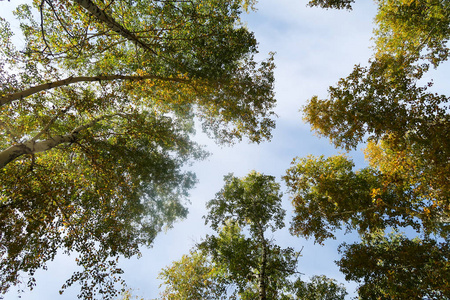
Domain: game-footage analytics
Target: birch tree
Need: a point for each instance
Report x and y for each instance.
(97, 111)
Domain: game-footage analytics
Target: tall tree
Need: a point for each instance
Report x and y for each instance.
(384, 103)
(251, 203)
(243, 258)
(406, 128)
(97, 113)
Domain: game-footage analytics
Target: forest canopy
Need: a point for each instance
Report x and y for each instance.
(99, 103)
(97, 119)
(388, 106)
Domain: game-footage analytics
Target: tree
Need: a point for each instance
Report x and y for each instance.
(195, 276)
(252, 203)
(384, 104)
(97, 114)
(406, 129)
(395, 267)
(320, 288)
(249, 264)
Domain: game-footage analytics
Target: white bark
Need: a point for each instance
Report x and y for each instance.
(32, 147)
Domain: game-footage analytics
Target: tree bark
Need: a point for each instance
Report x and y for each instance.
(32, 146)
(262, 273)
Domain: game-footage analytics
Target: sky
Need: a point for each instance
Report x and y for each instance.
(314, 48)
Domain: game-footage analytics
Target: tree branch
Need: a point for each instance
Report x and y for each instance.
(51, 85)
(95, 11)
(32, 146)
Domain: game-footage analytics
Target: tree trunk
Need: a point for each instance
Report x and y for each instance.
(262, 271)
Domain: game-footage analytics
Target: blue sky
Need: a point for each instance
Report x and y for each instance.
(315, 48)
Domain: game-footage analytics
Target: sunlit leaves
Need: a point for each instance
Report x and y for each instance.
(405, 125)
(194, 276)
(96, 121)
(329, 195)
(413, 29)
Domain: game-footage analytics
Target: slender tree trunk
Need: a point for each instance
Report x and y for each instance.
(262, 271)
(262, 276)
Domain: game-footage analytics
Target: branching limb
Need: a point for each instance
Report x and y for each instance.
(32, 146)
(112, 24)
(51, 85)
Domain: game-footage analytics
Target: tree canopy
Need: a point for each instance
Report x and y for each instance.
(243, 262)
(97, 115)
(389, 107)
(319, 288)
(396, 267)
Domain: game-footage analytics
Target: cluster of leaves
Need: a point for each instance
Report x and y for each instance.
(96, 115)
(319, 287)
(194, 276)
(336, 4)
(396, 267)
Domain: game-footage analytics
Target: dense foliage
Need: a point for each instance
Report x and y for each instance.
(97, 113)
(319, 288)
(240, 262)
(396, 267)
(406, 128)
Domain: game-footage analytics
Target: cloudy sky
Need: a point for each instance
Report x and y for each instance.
(315, 48)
